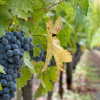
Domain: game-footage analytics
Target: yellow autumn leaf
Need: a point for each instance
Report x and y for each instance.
(51, 28)
(53, 46)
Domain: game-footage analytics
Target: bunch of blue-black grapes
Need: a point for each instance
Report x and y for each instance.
(38, 58)
(42, 56)
(12, 47)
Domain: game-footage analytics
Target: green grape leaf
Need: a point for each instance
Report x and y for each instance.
(20, 8)
(66, 7)
(47, 79)
(78, 17)
(37, 16)
(39, 91)
(4, 16)
(0, 87)
(64, 35)
(27, 62)
(83, 4)
(39, 40)
(81, 10)
(2, 69)
(3, 24)
(37, 51)
(26, 75)
(38, 66)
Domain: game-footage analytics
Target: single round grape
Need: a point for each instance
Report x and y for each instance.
(1, 45)
(31, 46)
(20, 62)
(22, 43)
(12, 95)
(15, 76)
(4, 41)
(10, 71)
(21, 39)
(5, 56)
(5, 69)
(16, 58)
(10, 84)
(8, 37)
(1, 56)
(7, 47)
(15, 33)
(14, 80)
(13, 88)
(5, 90)
(26, 47)
(15, 70)
(2, 61)
(26, 40)
(17, 66)
(2, 50)
(18, 35)
(9, 53)
(14, 46)
(3, 82)
(19, 75)
(22, 50)
(18, 42)
(22, 33)
(8, 77)
(11, 60)
(6, 64)
(11, 65)
(3, 75)
(9, 33)
(16, 52)
(13, 39)
(21, 55)
(30, 39)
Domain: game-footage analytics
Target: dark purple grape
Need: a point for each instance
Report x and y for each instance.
(4, 41)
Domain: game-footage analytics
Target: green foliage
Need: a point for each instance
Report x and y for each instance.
(64, 35)
(27, 62)
(83, 5)
(94, 21)
(4, 16)
(81, 10)
(95, 39)
(20, 8)
(47, 79)
(26, 75)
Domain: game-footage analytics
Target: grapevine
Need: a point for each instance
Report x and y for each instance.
(48, 40)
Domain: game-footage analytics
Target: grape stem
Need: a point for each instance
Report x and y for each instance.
(50, 6)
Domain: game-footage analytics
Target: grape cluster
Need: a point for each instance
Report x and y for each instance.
(42, 56)
(38, 58)
(12, 47)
